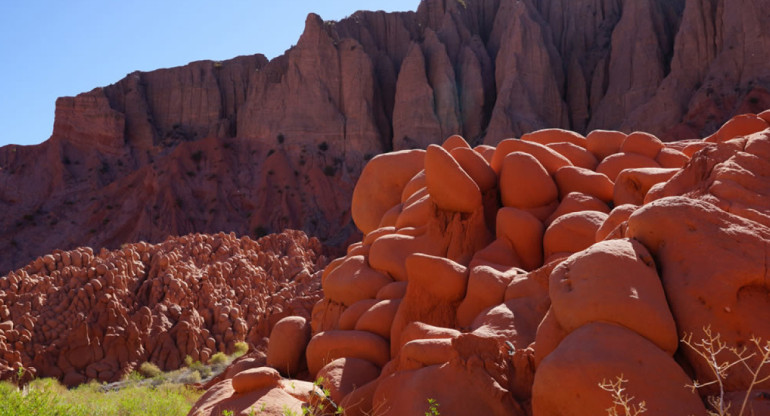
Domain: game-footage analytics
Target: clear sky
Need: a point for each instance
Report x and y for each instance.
(53, 48)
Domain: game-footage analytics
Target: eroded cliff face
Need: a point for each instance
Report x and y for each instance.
(250, 146)
(81, 315)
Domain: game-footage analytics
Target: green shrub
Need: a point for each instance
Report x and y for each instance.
(149, 370)
(201, 368)
(432, 408)
(134, 376)
(241, 348)
(192, 378)
(218, 358)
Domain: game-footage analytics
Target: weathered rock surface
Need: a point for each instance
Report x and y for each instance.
(251, 146)
(79, 315)
(500, 305)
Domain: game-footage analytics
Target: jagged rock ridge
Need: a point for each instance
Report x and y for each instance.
(291, 135)
(80, 315)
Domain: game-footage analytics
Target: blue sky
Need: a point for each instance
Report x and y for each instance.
(59, 48)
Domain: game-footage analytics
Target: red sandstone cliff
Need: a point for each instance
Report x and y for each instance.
(250, 146)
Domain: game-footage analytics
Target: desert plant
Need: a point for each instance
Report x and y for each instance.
(206, 371)
(241, 348)
(192, 378)
(218, 358)
(321, 402)
(432, 408)
(20, 374)
(622, 403)
(149, 370)
(710, 347)
(133, 376)
(47, 397)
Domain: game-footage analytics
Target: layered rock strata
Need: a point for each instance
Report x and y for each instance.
(214, 146)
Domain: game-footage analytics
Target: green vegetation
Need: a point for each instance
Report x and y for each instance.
(218, 358)
(241, 348)
(149, 370)
(320, 403)
(324, 399)
(432, 408)
(45, 397)
(146, 391)
(203, 370)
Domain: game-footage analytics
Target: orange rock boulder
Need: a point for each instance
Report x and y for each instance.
(519, 287)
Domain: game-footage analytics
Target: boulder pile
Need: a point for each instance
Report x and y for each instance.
(513, 280)
(79, 315)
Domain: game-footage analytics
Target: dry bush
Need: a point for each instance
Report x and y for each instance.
(709, 348)
(622, 403)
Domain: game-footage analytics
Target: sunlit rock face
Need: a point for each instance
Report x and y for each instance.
(252, 147)
(515, 279)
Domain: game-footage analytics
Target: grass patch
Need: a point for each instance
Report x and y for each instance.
(46, 397)
(145, 391)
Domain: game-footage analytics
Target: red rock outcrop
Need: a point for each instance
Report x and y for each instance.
(213, 146)
(79, 315)
(522, 299)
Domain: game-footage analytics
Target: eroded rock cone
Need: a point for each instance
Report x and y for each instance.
(523, 300)
(79, 315)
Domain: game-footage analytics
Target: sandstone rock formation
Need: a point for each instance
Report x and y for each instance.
(251, 146)
(79, 315)
(499, 297)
